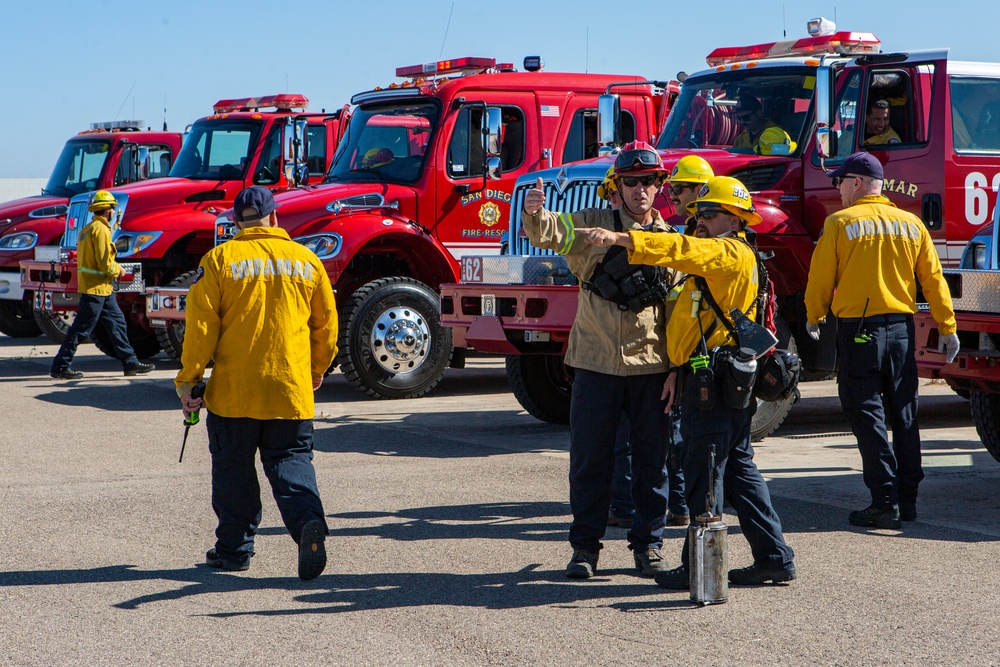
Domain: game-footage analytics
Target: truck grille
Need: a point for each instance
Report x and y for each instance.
(576, 196)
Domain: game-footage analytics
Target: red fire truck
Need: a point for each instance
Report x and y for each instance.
(170, 223)
(105, 156)
(424, 175)
(945, 169)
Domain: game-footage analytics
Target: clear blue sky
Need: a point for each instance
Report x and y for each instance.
(68, 63)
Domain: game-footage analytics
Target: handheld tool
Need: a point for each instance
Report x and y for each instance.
(197, 391)
(861, 336)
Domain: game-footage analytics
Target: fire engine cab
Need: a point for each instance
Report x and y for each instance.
(943, 165)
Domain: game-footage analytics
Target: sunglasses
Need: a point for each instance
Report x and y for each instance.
(679, 188)
(837, 180)
(632, 181)
(711, 213)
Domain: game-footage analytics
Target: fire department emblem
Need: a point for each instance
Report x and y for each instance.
(489, 214)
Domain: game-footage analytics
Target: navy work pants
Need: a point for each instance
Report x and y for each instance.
(94, 310)
(877, 383)
(597, 403)
(726, 431)
(286, 453)
(621, 481)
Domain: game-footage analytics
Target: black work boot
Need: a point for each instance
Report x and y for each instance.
(677, 579)
(66, 374)
(213, 559)
(757, 575)
(874, 516)
(582, 565)
(907, 511)
(312, 550)
(139, 368)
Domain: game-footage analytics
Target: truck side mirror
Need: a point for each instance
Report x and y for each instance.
(824, 112)
(494, 171)
(492, 127)
(294, 149)
(608, 115)
(142, 163)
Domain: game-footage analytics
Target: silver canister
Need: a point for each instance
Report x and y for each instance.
(708, 551)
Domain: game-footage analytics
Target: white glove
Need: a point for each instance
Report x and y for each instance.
(812, 330)
(949, 345)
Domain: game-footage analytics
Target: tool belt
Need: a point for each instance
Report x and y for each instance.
(630, 286)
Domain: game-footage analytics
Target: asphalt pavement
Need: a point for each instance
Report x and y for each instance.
(449, 518)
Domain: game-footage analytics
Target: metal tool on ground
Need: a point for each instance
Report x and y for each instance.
(197, 391)
(708, 553)
(860, 336)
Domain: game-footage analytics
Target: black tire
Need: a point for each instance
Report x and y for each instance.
(55, 324)
(403, 315)
(17, 318)
(770, 415)
(542, 384)
(171, 339)
(143, 342)
(986, 414)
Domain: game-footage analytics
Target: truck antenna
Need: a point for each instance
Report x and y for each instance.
(586, 54)
(125, 100)
(784, 26)
(164, 113)
(447, 25)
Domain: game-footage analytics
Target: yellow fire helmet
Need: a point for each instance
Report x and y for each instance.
(691, 169)
(729, 193)
(376, 157)
(608, 185)
(775, 141)
(102, 200)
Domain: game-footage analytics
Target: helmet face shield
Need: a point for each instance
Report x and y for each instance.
(638, 156)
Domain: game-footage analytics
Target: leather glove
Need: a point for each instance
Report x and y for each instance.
(949, 345)
(812, 330)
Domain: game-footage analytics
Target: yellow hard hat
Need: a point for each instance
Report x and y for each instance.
(775, 141)
(608, 185)
(376, 157)
(102, 199)
(731, 194)
(691, 169)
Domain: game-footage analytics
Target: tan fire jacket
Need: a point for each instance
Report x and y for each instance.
(604, 339)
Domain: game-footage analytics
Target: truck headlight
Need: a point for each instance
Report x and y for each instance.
(974, 256)
(324, 245)
(225, 229)
(18, 241)
(129, 244)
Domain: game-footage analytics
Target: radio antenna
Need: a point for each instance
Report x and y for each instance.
(164, 113)
(784, 27)
(126, 99)
(447, 25)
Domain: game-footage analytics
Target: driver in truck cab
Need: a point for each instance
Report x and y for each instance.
(617, 348)
(750, 114)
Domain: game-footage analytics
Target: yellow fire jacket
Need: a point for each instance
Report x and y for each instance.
(887, 137)
(729, 268)
(262, 307)
(872, 250)
(95, 258)
(603, 339)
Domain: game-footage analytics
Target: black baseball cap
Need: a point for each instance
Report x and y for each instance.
(858, 164)
(253, 203)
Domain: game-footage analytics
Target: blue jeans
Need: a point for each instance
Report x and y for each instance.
(94, 310)
(726, 431)
(877, 384)
(621, 479)
(596, 407)
(286, 453)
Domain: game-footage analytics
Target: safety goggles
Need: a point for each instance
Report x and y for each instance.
(632, 181)
(710, 213)
(641, 158)
(837, 180)
(677, 189)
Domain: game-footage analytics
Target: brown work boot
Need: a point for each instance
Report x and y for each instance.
(649, 562)
(582, 565)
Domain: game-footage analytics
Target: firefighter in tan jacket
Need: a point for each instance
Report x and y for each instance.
(618, 351)
(263, 309)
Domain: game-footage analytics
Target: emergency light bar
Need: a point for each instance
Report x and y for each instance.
(283, 102)
(445, 67)
(118, 125)
(842, 43)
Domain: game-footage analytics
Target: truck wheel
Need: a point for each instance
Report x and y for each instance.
(770, 414)
(55, 324)
(542, 384)
(171, 339)
(17, 320)
(143, 342)
(986, 414)
(392, 344)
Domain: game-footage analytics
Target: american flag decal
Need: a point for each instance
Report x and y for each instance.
(550, 111)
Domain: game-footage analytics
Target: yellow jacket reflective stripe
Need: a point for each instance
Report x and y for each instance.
(95, 259)
(263, 308)
(729, 268)
(872, 250)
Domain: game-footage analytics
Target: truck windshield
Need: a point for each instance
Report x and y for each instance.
(386, 142)
(217, 150)
(78, 168)
(739, 111)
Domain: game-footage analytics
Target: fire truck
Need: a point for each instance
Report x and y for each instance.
(945, 169)
(105, 156)
(424, 175)
(271, 141)
(975, 373)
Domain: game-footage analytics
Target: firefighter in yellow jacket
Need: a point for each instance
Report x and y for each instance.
(96, 269)
(863, 267)
(616, 350)
(263, 309)
(720, 255)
